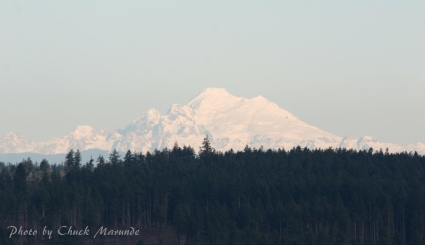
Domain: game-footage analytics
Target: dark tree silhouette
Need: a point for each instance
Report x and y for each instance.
(206, 148)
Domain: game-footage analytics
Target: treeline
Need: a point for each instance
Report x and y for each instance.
(255, 196)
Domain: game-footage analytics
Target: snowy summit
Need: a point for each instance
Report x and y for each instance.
(230, 122)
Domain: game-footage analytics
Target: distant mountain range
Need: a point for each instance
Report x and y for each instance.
(230, 122)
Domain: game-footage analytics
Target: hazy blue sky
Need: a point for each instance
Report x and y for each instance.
(349, 67)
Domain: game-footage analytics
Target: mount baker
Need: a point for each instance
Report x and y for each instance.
(230, 122)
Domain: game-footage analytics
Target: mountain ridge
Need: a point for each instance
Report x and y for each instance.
(231, 123)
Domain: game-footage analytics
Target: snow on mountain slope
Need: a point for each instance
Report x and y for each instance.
(419, 147)
(367, 142)
(16, 143)
(83, 138)
(256, 122)
(154, 131)
(230, 122)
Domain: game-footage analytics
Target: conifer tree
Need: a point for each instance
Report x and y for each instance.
(128, 158)
(206, 148)
(69, 161)
(90, 165)
(100, 160)
(114, 157)
(44, 165)
(77, 159)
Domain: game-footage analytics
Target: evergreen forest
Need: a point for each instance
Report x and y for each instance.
(253, 197)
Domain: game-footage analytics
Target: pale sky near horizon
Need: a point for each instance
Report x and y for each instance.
(350, 68)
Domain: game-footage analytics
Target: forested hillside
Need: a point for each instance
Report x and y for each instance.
(256, 196)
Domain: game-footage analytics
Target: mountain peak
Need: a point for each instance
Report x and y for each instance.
(83, 131)
(83, 128)
(153, 115)
(231, 122)
(215, 91)
(260, 98)
(367, 138)
(13, 136)
(212, 98)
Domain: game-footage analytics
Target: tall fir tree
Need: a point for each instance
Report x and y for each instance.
(69, 161)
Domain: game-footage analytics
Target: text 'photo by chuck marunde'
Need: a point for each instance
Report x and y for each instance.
(70, 231)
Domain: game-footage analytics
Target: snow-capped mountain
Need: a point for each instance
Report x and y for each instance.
(83, 138)
(230, 122)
